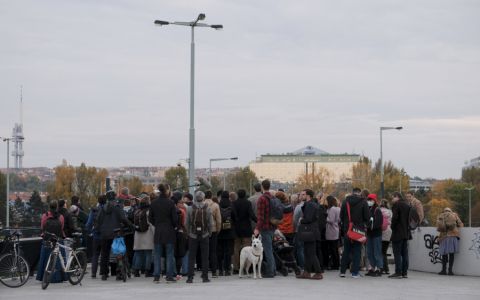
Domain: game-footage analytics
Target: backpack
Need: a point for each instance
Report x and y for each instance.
(200, 223)
(54, 225)
(226, 214)
(141, 220)
(276, 210)
(413, 218)
(386, 221)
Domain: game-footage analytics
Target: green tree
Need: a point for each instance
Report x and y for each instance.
(177, 178)
(240, 178)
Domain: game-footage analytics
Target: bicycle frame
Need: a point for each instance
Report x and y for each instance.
(72, 254)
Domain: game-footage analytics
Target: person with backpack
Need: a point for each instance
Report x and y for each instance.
(69, 226)
(181, 244)
(110, 217)
(353, 213)
(225, 236)
(52, 222)
(92, 230)
(374, 237)
(163, 215)
(265, 228)
(332, 232)
(199, 224)
(143, 238)
(400, 235)
(448, 223)
(417, 206)
(386, 233)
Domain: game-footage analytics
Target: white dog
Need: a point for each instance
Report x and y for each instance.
(252, 255)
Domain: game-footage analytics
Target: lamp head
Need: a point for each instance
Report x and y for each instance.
(161, 23)
(201, 17)
(217, 27)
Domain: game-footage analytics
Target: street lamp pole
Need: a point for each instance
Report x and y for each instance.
(191, 148)
(382, 184)
(7, 214)
(469, 205)
(210, 168)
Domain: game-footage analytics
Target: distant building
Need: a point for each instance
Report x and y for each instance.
(288, 167)
(473, 163)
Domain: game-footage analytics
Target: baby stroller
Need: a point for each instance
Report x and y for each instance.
(284, 255)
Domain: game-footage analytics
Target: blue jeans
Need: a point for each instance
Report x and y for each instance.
(299, 253)
(142, 259)
(400, 254)
(185, 264)
(354, 249)
(157, 260)
(267, 242)
(374, 252)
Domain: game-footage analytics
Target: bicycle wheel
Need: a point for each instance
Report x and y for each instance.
(14, 270)
(77, 268)
(49, 270)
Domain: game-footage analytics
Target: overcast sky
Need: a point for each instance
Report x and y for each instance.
(104, 86)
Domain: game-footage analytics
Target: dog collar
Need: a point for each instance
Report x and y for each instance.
(256, 255)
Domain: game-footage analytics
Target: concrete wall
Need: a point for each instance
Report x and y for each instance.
(424, 255)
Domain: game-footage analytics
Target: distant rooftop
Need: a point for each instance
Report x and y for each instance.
(309, 150)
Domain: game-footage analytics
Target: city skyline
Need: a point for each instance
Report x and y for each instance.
(104, 86)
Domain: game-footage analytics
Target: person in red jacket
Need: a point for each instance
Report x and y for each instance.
(286, 227)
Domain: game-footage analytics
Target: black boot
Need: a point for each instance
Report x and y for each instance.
(450, 263)
(444, 265)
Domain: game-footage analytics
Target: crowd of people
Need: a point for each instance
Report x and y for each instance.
(171, 235)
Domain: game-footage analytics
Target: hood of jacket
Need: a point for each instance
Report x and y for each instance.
(353, 200)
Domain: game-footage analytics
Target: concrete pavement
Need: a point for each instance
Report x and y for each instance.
(417, 286)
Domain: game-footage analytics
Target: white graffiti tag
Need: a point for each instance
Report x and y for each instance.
(476, 245)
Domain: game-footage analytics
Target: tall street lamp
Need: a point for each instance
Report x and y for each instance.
(382, 184)
(7, 215)
(469, 205)
(210, 168)
(192, 24)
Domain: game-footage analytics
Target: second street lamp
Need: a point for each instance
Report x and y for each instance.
(210, 168)
(192, 24)
(382, 184)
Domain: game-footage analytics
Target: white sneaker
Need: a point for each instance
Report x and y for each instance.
(342, 275)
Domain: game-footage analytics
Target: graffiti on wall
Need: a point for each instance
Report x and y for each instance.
(431, 243)
(476, 245)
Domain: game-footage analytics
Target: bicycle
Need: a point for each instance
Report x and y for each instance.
(121, 258)
(14, 268)
(76, 259)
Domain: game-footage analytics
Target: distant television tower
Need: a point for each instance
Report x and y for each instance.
(17, 137)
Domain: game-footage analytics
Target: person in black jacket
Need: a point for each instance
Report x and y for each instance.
(163, 215)
(70, 226)
(242, 218)
(400, 235)
(225, 236)
(109, 218)
(310, 216)
(360, 216)
(374, 237)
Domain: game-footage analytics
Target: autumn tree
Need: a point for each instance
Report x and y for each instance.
(134, 184)
(434, 208)
(85, 182)
(319, 180)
